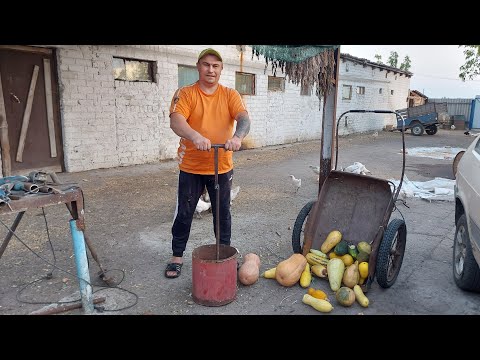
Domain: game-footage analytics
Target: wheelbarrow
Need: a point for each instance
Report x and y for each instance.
(360, 207)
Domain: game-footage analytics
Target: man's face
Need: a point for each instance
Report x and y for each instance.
(209, 69)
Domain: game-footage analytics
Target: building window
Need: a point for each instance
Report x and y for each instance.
(380, 90)
(187, 75)
(276, 83)
(305, 90)
(245, 83)
(133, 70)
(346, 92)
(361, 90)
(391, 92)
(347, 66)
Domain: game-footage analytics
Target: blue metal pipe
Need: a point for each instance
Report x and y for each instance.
(81, 263)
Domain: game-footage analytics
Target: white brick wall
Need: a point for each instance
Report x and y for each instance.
(355, 74)
(108, 123)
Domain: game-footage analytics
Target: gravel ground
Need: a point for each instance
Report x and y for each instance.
(129, 213)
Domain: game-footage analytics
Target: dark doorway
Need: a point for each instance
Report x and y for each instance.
(31, 110)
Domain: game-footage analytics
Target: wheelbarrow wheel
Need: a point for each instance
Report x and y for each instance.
(390, 253)
(299, 227)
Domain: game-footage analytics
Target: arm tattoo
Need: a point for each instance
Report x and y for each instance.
(243, 126)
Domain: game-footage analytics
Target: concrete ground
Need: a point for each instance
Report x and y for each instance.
(129, 214)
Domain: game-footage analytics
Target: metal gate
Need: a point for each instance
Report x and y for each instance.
(474, 122)
(29, 111)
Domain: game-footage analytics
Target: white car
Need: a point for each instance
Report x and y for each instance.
(466, 249)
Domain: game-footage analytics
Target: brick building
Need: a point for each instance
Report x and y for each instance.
(107, 105)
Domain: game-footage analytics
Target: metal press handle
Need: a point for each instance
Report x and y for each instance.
(217, 199)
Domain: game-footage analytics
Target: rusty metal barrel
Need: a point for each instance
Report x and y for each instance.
(214, 281)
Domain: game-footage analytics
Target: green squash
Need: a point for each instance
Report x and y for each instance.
(352, 250)
(363, 256)
(341, 248)
(345, 296)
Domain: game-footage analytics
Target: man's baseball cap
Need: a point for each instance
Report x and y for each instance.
(210, 51)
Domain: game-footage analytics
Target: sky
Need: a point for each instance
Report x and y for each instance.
(435, 68)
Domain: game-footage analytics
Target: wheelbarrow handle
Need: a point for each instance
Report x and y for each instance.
(372, 111)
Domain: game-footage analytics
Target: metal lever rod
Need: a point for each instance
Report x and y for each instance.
(217, 199)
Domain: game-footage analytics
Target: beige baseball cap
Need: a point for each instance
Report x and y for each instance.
(210, 51)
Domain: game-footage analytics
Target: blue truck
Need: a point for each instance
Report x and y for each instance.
(422, 118)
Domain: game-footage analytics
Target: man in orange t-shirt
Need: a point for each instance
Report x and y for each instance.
(203, 114)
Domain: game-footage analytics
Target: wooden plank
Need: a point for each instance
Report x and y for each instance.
(26, 115)
(4, 140)
(49, 101)
(37, 50)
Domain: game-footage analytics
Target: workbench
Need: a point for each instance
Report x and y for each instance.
(72, 197)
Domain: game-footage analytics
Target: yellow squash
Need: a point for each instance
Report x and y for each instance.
(360, 296)
(306, 277)
(333, 238)
(270, 273)
(317, 293)
(363, 269)
(318, 304)
(320, 270)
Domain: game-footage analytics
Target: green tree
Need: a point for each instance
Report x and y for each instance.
(393, 59)
(379, 59)
(471, 68)
(406, 64)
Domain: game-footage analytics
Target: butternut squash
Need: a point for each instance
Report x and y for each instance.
(333, 238)
(249, 271)
(288, 271)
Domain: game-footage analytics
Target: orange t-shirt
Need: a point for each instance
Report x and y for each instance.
(212, 116)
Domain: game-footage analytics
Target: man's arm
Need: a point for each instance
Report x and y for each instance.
(179, 125)
(242, 130)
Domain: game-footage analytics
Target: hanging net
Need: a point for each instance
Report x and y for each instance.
(308, 65)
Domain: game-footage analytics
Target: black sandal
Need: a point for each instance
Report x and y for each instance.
(173, 267)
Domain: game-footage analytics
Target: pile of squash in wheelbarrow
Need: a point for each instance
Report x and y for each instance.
(344, 266)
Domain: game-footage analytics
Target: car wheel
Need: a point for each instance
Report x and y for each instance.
(465, 269)
(417, 129)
